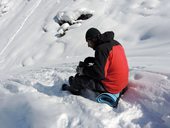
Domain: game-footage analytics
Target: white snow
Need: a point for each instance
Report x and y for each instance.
(35, 62)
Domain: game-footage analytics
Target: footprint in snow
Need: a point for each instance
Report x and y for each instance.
(138, 76)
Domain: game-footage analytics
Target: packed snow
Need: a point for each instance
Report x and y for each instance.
(41, 43)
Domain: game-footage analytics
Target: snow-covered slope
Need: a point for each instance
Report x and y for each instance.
(42, 41)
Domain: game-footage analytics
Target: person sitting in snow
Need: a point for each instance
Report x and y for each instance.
(106, 72)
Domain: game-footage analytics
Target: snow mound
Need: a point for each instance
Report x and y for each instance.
(5, 5)
(151, 91)
(71, 19)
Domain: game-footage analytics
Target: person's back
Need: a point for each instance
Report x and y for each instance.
(116, 70)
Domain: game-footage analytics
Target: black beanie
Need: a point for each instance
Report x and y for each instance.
(92, 33)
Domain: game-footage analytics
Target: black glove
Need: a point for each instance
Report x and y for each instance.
(89, 60)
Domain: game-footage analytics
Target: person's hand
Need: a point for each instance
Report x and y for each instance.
(79, 70)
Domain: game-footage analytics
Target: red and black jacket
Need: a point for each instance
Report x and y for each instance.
(110, 64)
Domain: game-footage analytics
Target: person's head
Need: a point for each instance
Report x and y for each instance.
(91, 37)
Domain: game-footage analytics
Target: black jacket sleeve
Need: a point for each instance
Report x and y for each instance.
(96, 71)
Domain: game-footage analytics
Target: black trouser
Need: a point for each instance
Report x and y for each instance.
(84, 82)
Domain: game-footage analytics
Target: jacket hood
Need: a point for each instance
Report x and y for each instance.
(106, 37)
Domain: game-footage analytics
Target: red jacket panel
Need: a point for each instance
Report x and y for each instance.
(116, 70)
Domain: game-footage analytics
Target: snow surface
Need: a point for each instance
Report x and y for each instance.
(35, 62)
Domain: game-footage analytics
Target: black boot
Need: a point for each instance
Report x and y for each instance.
(65, 87)
(72, 90)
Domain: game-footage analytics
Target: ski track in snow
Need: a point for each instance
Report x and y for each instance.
(21, 26)
(29, 95)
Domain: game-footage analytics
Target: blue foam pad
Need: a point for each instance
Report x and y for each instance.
(108, 98)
